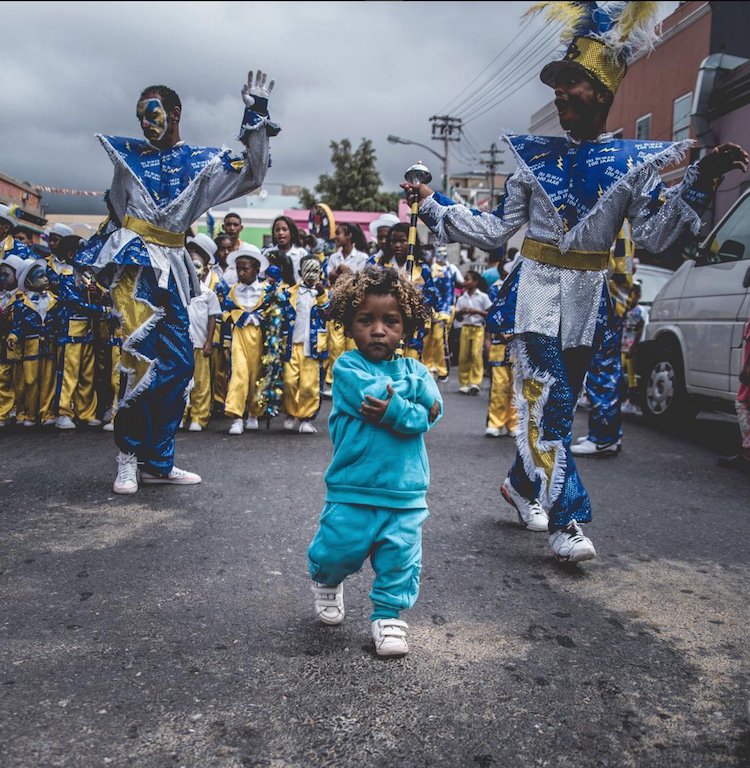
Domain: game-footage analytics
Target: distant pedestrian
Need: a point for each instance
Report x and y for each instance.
(377, 480)
(471, 313)
(635, 320)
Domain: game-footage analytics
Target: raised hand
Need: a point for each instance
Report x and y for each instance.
(724, 158)
(257, 87)
(415, 191)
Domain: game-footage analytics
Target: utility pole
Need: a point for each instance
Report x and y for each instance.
(492, 165)
(446, 129)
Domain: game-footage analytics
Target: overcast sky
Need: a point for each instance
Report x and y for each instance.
(342, 70)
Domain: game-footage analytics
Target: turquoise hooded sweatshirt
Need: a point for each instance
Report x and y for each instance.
(380, 465)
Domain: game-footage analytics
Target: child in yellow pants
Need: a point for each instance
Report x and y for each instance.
(306, 347)
(10, 267)
(203, 311)
(471, 312)
(245, 303)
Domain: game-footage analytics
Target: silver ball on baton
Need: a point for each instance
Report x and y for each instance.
(418, 174)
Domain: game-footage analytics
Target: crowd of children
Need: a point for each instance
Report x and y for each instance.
(264, 337)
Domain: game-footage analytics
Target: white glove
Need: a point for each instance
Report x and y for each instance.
(259, 89)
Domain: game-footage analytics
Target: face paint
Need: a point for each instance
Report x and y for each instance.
(37, 279)
(311, 273)
(200, 267)
(7, 278)
(153, 118)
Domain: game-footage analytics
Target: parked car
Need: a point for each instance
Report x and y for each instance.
(690, 358)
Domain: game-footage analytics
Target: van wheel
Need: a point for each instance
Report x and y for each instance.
(664, 399)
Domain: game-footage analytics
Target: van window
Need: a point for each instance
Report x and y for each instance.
(732, 240)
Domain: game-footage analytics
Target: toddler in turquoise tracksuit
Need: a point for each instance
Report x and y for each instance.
(377, 480)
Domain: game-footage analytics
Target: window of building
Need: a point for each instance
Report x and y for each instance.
(643, 127)
(681, 117)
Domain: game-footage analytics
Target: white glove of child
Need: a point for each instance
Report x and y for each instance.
(258, 89)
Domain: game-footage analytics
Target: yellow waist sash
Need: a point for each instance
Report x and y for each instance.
(582, 261)
(153, 234)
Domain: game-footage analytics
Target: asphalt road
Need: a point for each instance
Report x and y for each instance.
(175, 627)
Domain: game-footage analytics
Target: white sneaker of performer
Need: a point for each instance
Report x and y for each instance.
(64, 422)
(569, 545)
(127, 473)
(495, 431)
(109, 427)
(195, 427)
(329, 603)
(306, 428)
(251, 422)
(590, 448)
(390, 637)
(291, 424)
(237, 427)
(175, 477)
(531, 513)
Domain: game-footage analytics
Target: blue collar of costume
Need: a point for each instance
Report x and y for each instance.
(575, 176)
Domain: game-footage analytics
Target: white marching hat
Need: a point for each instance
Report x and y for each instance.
(386, 220)
(206, 244)
(28, 265)
(16, 263)
(6, 215)
(60, 229)
(246, 249)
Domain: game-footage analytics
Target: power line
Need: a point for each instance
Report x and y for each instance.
(506, 52)
(534, 58)
(503, 98)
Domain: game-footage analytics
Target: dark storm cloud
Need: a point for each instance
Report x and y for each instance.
(342, 70)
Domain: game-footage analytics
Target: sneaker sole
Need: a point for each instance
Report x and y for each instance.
(510, 501)
(329, 623)
(385, 653)
(598, 455)
(577, 559)
(165, 481)
(124, 490)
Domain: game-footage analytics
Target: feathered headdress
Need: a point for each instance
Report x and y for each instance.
(600, 40)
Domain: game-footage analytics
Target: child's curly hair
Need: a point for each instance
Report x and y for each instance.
(351, 289)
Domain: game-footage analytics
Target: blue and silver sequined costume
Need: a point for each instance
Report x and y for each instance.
(154, 198)
(574, 197)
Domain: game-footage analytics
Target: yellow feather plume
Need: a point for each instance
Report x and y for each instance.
(570, 14)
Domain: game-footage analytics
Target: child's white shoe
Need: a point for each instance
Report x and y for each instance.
(290, 423)
(306, 428)
(65, 422)
(464, 390)
(329, 603)
(127, 474)
(110, 427)
(390, 637)
(237, 427)
(251, 422)
(195, 427)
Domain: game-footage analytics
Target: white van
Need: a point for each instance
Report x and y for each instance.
(691, 356)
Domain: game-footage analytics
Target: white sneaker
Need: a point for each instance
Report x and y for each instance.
(195, 427)
(630, 410)
(464, 390)
(251, 422)
(590, 448)
(127, 473)
(327, 393)
(48, 423)
(390, 637)
(531, 513)
(569, 545)
(513, 433)
(495, 432)
(306, 428)
(107, 416)
(473, 389)
(94, 423)
(290, 423)
(29, 423)
(237, 427)
(583, 439)
(175, 477)
(64, 422)
(329, 603)
(109, 427)
(3, 424)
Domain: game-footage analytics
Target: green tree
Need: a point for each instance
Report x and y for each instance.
(355, 182)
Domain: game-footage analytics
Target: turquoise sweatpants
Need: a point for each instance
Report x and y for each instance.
(350, 533)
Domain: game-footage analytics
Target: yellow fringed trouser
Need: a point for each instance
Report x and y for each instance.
(245, 370)
(630, 371)
(77, 366)
(7, 390)
(219, 374)
(502, 412)
(301, 384)
(338, 343)
(435, 346)
(39, 390)
(19, 386)
(115, 378)
(199, 406)
(470, 364)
